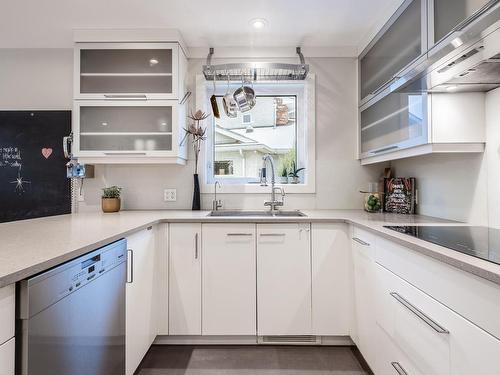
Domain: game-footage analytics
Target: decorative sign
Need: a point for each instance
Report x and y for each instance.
(399, 195)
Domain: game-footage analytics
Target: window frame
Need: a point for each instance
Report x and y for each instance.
(305, 138)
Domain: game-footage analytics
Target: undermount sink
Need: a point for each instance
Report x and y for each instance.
(240, 213)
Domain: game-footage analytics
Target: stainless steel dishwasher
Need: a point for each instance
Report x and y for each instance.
(72, 317)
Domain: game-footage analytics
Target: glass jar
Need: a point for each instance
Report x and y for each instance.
(373, 200)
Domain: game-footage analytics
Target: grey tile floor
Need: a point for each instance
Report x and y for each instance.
(246, 360)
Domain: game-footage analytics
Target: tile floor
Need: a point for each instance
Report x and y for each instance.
(246, 360)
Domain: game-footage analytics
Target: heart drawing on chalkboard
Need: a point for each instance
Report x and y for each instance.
(46, 152)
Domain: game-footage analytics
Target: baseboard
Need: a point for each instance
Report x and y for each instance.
(244, 340)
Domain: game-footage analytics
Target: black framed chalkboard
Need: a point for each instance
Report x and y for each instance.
(33, 179)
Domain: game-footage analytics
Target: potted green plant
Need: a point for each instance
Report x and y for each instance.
(283, 175)
(294, 174)
(110, 201)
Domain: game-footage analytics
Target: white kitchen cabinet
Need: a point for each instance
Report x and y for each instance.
(363, 248)
(141, 318)
(129, 100)
(229, 279)
(128, 70)
(7, 312)
(331, 280)
(129, 131)
(436, 339)
(391, 360)
(7, 357)
(185, 279)
(284, 279)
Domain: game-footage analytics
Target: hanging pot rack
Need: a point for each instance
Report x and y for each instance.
(258, 71)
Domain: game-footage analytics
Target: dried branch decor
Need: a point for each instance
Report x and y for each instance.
(197, 132)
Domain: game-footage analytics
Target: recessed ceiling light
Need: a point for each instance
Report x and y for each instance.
(258, 23)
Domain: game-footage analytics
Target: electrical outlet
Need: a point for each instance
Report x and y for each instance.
(170, 195)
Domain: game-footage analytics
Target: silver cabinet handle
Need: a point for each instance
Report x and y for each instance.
(272, 234)
(130, 254)
(196, 246)
(395, 147)
(118, 153)
(239, 234)
(399, 369)
(125, 96)
(431, 323)
(361, 242)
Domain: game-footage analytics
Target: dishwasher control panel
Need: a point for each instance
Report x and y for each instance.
(43, 290)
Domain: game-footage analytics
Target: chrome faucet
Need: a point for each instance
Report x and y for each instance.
(273, 203)
(216, 204)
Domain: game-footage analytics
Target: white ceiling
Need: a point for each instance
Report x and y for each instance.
(219, 23)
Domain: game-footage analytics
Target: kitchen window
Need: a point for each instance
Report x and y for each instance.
(281, 124)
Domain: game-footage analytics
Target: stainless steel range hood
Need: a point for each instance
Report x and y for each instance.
(466, 60)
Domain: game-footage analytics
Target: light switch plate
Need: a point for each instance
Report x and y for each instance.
(170, 195)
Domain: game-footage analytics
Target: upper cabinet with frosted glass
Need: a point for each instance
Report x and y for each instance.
(397, 48)
(447, 15)
(128, 71)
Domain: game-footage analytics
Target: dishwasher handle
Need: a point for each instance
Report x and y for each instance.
(130, 256)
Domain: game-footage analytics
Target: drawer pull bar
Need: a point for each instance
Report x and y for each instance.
(239, 234)
(360, 241)
(272, 234)
(431, 323)
(399, 369)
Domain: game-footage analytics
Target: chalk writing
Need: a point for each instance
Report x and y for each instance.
(10, 157)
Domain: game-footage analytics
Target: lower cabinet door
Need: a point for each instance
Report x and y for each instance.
(185, 279)
(331, 285)
(283, 279)
(229, 279)
(364, 294)
(7, 357)
(141, 320)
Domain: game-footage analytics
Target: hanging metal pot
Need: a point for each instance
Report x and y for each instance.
(230, 105)
(245, 97)
(213, 102)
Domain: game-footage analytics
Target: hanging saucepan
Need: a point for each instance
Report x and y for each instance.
(213, 102)
(230, 105)
(245, 97)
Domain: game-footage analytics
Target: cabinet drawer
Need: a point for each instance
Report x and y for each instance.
(390, 359)
(434, 338)
(416, 323)
(363, 242)
(7, 312)
(472, 297)
(7, 357)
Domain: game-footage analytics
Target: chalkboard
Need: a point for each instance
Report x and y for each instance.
(33, 179)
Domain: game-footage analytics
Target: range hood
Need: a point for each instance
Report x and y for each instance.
(466, 60)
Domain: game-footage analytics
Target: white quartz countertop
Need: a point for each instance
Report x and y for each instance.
(30, 246)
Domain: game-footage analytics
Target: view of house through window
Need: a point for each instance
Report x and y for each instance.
(241, 142)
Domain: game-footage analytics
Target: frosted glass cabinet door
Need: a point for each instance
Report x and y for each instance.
(401, 43)
(125, 126)
(449, 13)
(110, 70)
(395, 122)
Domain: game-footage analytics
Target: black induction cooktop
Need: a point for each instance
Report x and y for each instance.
(479, 242)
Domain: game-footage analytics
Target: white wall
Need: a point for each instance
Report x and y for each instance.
(493, 156)
(36, 78)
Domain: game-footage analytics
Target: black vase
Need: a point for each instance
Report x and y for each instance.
(196, 194)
